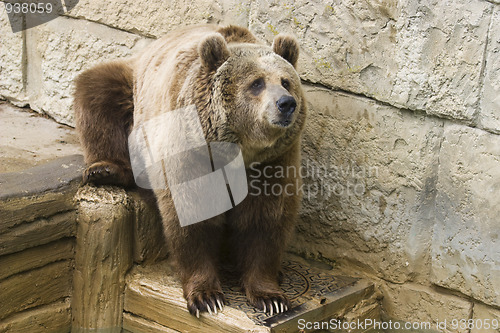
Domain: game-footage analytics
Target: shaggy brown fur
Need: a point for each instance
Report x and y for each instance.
(244, 92)
(104, 110)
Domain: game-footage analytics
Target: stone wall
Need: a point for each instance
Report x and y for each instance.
(402, 143)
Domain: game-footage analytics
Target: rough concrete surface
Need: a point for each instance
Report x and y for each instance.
(489, 117)
(406, 53)
(400, 52)
(142, 17)
(60, 50)
(11, 62)
(27, 140)
(466, 244)
(416, 303)
(369, 185)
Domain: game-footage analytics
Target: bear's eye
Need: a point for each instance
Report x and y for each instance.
(285, 84)
(257, 86)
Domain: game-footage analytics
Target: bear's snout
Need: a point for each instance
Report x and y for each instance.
(286, 105)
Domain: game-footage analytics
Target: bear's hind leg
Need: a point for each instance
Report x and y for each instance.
(104, 115)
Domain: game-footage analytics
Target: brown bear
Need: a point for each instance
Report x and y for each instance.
(245, 93)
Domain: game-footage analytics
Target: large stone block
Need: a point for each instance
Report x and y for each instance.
(60, 50)
(155, 21)
(422, 305)
(348, 44)
(417, 54)
(370, 173)
(489, 116)
(11, 62)
(466, 244)
(441, 47)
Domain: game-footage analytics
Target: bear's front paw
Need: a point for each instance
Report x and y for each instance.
(271, 303)
(106, 173)
(208, 301)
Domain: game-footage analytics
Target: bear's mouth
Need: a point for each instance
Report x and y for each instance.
(284, 123)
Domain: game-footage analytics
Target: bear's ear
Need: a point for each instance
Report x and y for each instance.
(287, 47)
(213, 51)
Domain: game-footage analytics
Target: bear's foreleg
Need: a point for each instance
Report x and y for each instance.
(261, 227)
(195, 250)
(104, 114)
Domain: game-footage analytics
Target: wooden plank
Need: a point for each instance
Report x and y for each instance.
(156, 295)
(103, 256)
(368, 308)
(36, 257)
(135, 324)
(144, 300)
(37, 287)
(316, 292)
(15, 211)
(327, 306)
(52, 318)
(41, 231)
(55, 176)
(39, 192)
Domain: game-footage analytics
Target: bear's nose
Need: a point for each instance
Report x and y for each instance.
(286, 104)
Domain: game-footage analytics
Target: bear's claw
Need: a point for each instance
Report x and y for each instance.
(209, 302)
(273, 305)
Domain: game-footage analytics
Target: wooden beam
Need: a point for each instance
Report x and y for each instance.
(103, 256)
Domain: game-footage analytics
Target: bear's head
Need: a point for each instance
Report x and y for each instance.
(256, 91)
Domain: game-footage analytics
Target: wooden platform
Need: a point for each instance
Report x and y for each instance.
(154, 302)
